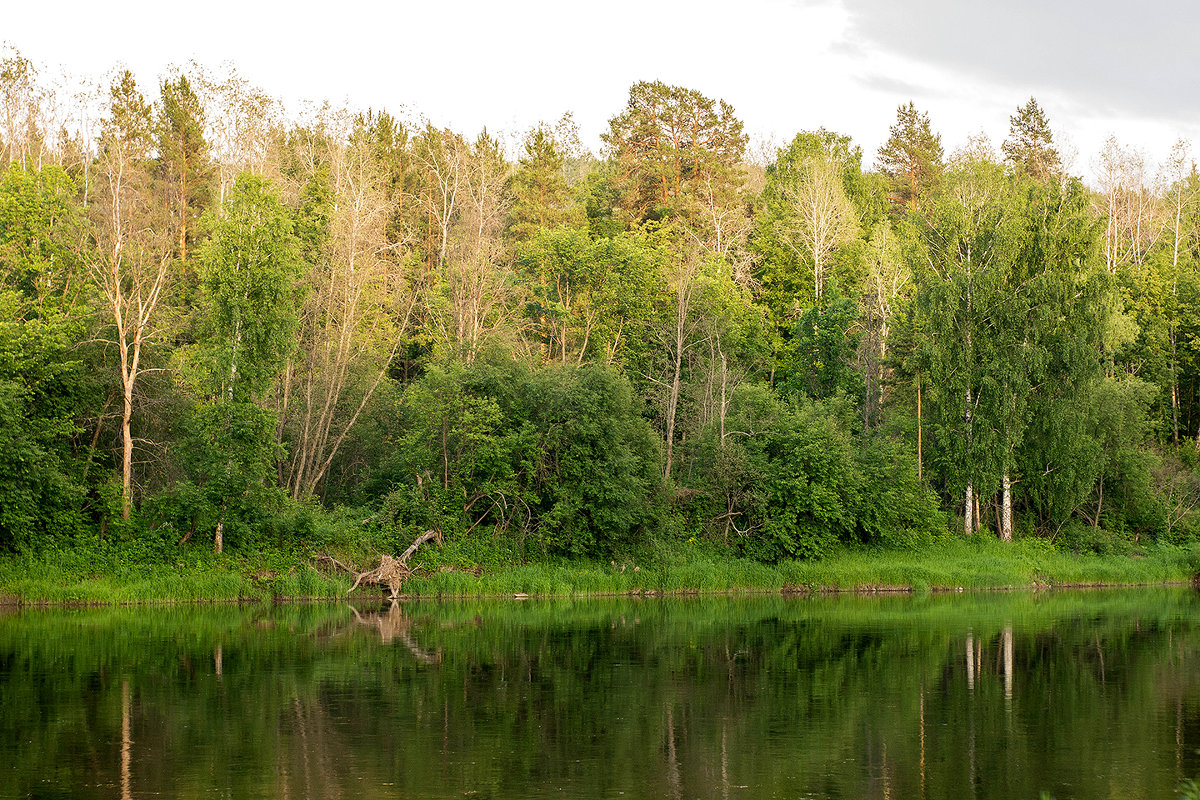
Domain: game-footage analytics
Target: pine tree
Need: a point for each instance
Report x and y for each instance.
(541, 196)
(184, 164)
(676, 151)
(1030, 146)
(911, 158)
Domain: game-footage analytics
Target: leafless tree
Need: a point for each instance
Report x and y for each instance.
(355, 320)
(1127, 204)
(129, 265)
(820, 217)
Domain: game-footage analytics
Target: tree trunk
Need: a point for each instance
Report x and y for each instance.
(1006, 645)
(970, 662)
(969, 509)
(683, 300)
(920, 476)
(1006, 513)
(724, 393)
(1174, 387)
(219, 533)
(672, 405)
(127, 454)
(126, 743)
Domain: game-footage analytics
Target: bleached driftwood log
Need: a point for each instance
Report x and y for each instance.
(391, 572)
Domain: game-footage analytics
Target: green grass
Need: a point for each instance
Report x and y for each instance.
(949, 566)
(71, 577)
(101, 576)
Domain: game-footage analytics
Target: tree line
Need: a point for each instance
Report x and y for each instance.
(216, 320)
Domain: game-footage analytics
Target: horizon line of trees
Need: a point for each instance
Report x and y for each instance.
(211, 314)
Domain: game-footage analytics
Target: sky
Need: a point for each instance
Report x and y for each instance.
(1097, 67)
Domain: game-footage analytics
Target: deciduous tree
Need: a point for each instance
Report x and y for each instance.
(358, 313)
(129, 265)
(250, 283)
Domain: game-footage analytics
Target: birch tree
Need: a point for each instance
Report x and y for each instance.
(250, 272)
(129, 265)
(357, 315)
(818, 216)
(888, 278)
(1180, 195)
(477, 269)
(966, 241)
(20, 105)
(241, 124)
(1127, 205)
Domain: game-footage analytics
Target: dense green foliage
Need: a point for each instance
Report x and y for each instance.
(218, 327)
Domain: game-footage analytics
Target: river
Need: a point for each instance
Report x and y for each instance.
(1004, 695)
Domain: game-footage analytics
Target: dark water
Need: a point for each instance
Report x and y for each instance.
(1083, 695)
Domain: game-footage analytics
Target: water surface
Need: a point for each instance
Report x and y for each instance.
(1087, 695)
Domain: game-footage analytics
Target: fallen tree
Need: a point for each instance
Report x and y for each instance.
(391, 572)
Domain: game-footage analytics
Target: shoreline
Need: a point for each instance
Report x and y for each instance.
(9, 603)
(83, 579)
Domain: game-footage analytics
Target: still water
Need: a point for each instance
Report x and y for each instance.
(1083, 695)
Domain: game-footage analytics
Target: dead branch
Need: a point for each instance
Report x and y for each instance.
(391, 572)
(335, 562)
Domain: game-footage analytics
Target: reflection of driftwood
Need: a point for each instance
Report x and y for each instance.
(392, 572)
(394, 625)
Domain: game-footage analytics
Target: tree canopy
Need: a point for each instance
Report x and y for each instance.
(219, 324)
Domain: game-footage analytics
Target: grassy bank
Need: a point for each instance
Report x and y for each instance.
(950, 566)
(98, 576)
(81, 577)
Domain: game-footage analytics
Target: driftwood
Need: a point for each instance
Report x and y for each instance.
(391, 572)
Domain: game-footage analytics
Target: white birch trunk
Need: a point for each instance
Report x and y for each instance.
(1006, 509)
(969, 509)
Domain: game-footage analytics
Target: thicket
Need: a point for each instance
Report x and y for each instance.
(221, 328)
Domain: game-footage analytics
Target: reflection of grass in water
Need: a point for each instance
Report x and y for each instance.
(682, 617)
(478, 622)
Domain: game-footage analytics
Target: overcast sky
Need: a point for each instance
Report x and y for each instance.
(1099, 67)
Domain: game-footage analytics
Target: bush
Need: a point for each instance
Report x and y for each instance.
(896, 509)
(558, 458)
(1076, 537)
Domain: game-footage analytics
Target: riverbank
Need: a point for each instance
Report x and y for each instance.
(86, 577)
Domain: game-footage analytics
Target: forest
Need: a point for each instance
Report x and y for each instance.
(224, 328)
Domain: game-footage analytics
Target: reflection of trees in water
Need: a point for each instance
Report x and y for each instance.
(318, 746)
(787, 702)
(311, 753)
(126, 745)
